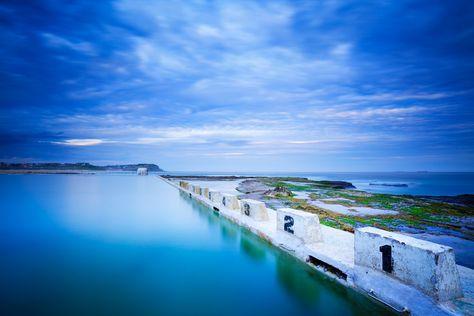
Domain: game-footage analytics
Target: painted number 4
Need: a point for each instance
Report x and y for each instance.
(289, 222)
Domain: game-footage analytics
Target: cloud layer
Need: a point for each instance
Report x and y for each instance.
(241, 85)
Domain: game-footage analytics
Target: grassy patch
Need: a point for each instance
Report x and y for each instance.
(330, 222)
(292, 187)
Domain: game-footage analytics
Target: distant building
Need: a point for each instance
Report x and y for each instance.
(142, 171)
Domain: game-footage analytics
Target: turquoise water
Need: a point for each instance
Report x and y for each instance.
(129, 245)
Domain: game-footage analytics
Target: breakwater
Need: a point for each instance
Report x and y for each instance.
(407, 274)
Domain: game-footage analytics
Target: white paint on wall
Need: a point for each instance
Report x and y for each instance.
(428, 266)
(197, 190)
(205, 192)
(230, 201)
(215, 197)
(254, 209)
(298, 224)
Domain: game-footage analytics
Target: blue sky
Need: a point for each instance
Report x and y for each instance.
(239, 85)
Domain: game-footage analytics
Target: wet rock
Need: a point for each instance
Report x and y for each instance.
(252, 186)
(334, 184)
(397, 185)
(278, 191)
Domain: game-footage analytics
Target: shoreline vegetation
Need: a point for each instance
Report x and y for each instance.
(339, 205)
(70, 168)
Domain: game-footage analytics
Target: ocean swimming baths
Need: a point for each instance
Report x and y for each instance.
(436, 285)
(102, 244)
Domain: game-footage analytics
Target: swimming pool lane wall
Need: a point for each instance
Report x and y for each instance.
(407, 274)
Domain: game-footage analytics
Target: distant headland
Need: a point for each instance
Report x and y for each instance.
(71, 168)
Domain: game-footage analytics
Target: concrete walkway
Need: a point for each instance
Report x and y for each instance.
(336, 253)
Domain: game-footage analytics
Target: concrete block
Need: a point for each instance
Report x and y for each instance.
(215, 196)
(301, 225)
(197, 190)
(230, 201)
(254, 209)
(205, 192)
(428, 266)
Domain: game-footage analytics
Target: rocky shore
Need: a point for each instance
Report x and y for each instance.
(339, 205)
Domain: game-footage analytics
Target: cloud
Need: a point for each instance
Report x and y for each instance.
(214, 79)
(385, 113)
(56, 41)
(342, 50)
(80, 142)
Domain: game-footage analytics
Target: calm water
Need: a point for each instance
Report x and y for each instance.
(129, 245)
(417, 183)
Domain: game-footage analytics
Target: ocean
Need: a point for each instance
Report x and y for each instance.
(118, 244)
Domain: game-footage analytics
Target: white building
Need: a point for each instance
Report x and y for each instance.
(142, 171)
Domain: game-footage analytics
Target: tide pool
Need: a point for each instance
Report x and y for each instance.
(127, 245)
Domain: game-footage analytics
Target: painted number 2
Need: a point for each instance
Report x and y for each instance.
(289, 222)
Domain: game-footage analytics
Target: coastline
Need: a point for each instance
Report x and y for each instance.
(450, 219)
(21, 171)
(334, 256)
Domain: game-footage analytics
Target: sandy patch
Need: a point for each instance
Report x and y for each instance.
(337, 199)
(304, 195)
(353, 210)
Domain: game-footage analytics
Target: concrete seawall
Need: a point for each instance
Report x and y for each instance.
(407, 274)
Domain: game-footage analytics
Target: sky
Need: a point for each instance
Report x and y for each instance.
(239, 85)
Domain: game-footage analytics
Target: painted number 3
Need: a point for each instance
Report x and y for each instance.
(247, 209)
(289, 222)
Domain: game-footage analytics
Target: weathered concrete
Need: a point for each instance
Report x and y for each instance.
(230, 201)
(301, 225)
(184, 185)
(215, 197)
(428, 266)
(205, 192)
(254, 209)
(197, 189)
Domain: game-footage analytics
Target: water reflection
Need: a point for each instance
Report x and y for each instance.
(297, 280)
(310, 288)
(109, 245)
(254, 250)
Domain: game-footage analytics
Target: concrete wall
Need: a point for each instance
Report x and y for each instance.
(230, 201)
(205, 192)
(428, 266)
(215, 196)
(184, 184)
(254, 209)
(302, 225)
(337, 249)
